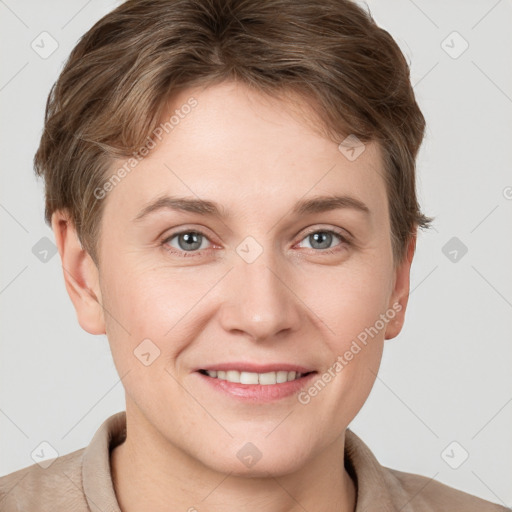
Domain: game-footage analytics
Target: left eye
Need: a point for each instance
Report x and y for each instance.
(323, 238)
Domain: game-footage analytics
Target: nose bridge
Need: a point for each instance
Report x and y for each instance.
(261, 303)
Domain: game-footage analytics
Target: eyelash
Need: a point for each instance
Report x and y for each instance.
(187, 254)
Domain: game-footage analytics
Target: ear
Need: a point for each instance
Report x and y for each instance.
(400, 295)
(81, 275)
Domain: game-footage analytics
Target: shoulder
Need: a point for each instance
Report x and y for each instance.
(425, 494)
(386, 489)
(38, 489)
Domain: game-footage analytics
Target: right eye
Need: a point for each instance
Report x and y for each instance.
(188, 241)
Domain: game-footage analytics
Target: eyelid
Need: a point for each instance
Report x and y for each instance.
(343, 233)
(202, 230)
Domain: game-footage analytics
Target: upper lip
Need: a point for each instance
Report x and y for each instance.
(256, 367)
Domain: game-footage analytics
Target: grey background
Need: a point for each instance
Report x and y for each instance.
(445, 378)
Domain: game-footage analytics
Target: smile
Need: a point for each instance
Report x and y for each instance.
(265, 379)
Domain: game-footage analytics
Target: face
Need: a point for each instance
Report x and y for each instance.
(266, 278)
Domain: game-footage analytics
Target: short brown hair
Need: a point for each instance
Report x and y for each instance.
(118, 80)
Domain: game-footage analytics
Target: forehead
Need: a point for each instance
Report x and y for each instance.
(246, 151)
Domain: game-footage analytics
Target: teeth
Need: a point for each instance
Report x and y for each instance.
(282, 376)
(255, 378)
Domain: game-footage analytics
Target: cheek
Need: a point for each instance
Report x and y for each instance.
(349, 303)
(151, 304)
(143, 331)
(353, 309)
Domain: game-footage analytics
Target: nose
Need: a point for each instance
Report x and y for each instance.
(260, 301)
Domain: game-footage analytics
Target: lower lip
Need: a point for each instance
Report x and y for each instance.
(257, 392)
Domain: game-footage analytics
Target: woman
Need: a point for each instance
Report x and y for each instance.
(231, 185)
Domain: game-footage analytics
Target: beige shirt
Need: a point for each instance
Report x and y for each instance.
(81, 481)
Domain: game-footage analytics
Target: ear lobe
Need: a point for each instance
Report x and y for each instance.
(81, 275)
(400, 296)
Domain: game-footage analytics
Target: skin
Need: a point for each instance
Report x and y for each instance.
(256, 156)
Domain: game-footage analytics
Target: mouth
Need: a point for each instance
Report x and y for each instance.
(255, 382)
(254, 378)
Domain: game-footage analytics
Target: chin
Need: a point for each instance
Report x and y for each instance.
(259, 458)
(276, 467)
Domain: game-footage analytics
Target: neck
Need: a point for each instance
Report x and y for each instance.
(145, 477)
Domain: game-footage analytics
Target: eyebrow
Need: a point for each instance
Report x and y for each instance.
(316, 204)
